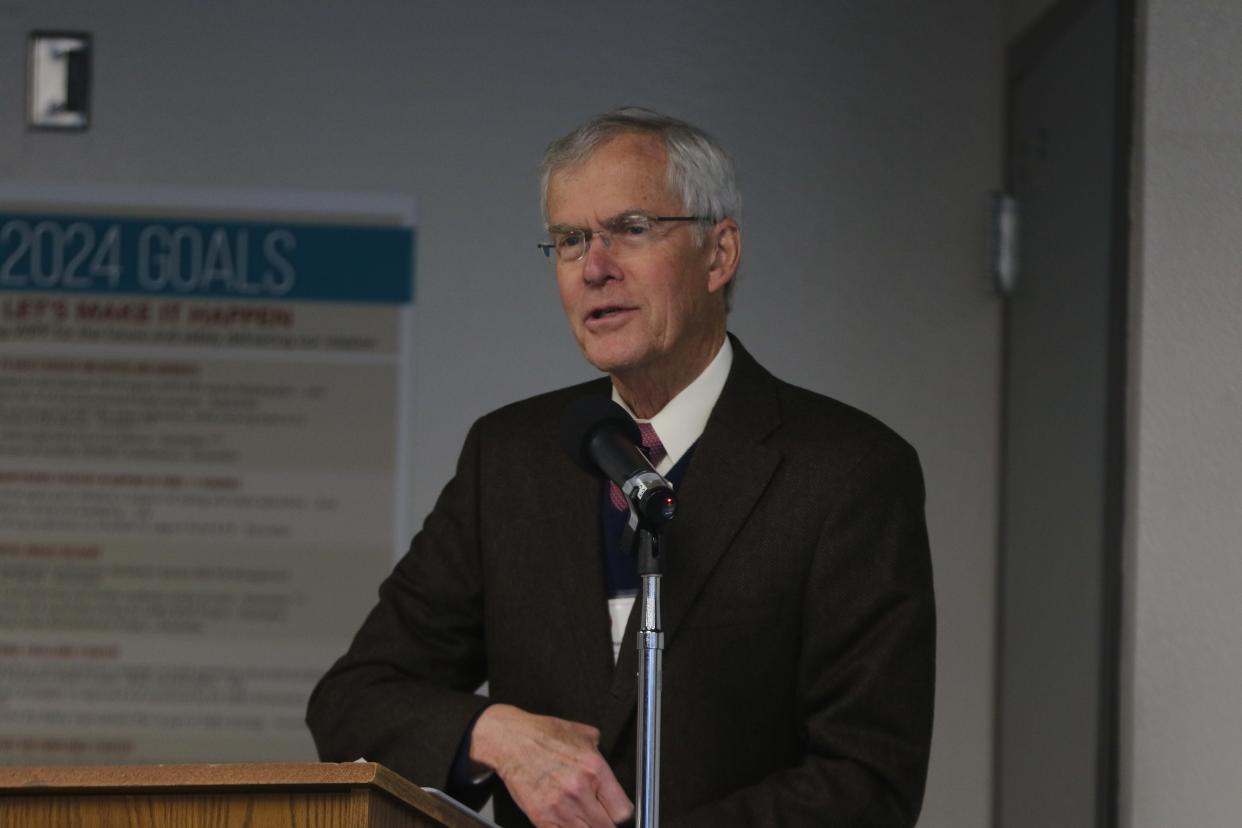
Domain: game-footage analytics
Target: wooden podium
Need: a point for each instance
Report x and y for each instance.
(356, 795)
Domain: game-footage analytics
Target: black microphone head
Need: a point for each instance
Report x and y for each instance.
(585, 416)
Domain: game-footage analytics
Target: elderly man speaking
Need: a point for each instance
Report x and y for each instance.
(799, 618)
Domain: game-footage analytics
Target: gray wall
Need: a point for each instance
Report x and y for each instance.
(1182, 665)
(866, 135)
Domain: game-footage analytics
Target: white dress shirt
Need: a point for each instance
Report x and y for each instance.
(678, 425)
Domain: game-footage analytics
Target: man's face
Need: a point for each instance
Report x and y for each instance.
(659, 309)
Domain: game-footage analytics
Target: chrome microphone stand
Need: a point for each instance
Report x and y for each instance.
(645, 537)
(650, 682)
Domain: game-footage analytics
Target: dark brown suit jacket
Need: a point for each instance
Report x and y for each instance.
(798, 616)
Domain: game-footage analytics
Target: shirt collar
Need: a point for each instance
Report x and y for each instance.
(681, 422)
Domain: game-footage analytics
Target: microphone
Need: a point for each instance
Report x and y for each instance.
(600, 437)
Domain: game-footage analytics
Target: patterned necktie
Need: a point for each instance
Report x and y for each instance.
(653, 448)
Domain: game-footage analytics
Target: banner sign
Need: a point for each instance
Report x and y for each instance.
(204, 423)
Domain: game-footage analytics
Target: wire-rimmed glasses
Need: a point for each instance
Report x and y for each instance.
(630, 232)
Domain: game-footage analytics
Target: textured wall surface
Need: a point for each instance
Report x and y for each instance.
(866, 135)
(1181, 729)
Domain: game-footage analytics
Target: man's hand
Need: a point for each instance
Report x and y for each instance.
(552, 768)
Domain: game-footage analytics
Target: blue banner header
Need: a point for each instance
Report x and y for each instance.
(227, 259)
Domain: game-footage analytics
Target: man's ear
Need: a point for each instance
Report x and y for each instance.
(725, 239)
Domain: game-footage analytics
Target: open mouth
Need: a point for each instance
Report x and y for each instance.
(604, 313)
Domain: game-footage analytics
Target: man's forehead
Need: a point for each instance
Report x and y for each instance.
(626, 174)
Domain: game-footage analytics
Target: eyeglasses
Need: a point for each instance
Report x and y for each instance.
(630, 233)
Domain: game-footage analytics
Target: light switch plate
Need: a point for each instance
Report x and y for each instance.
(60, 74)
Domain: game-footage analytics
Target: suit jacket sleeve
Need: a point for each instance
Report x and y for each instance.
(403, 693)
(865, 678)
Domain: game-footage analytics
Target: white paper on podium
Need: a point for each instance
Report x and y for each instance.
(457, 806)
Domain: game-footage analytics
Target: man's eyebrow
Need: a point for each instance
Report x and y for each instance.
(625, 215)
(621, 216)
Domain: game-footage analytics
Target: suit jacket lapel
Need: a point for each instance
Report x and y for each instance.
(727, 475)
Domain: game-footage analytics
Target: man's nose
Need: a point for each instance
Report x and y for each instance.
(598, 264)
